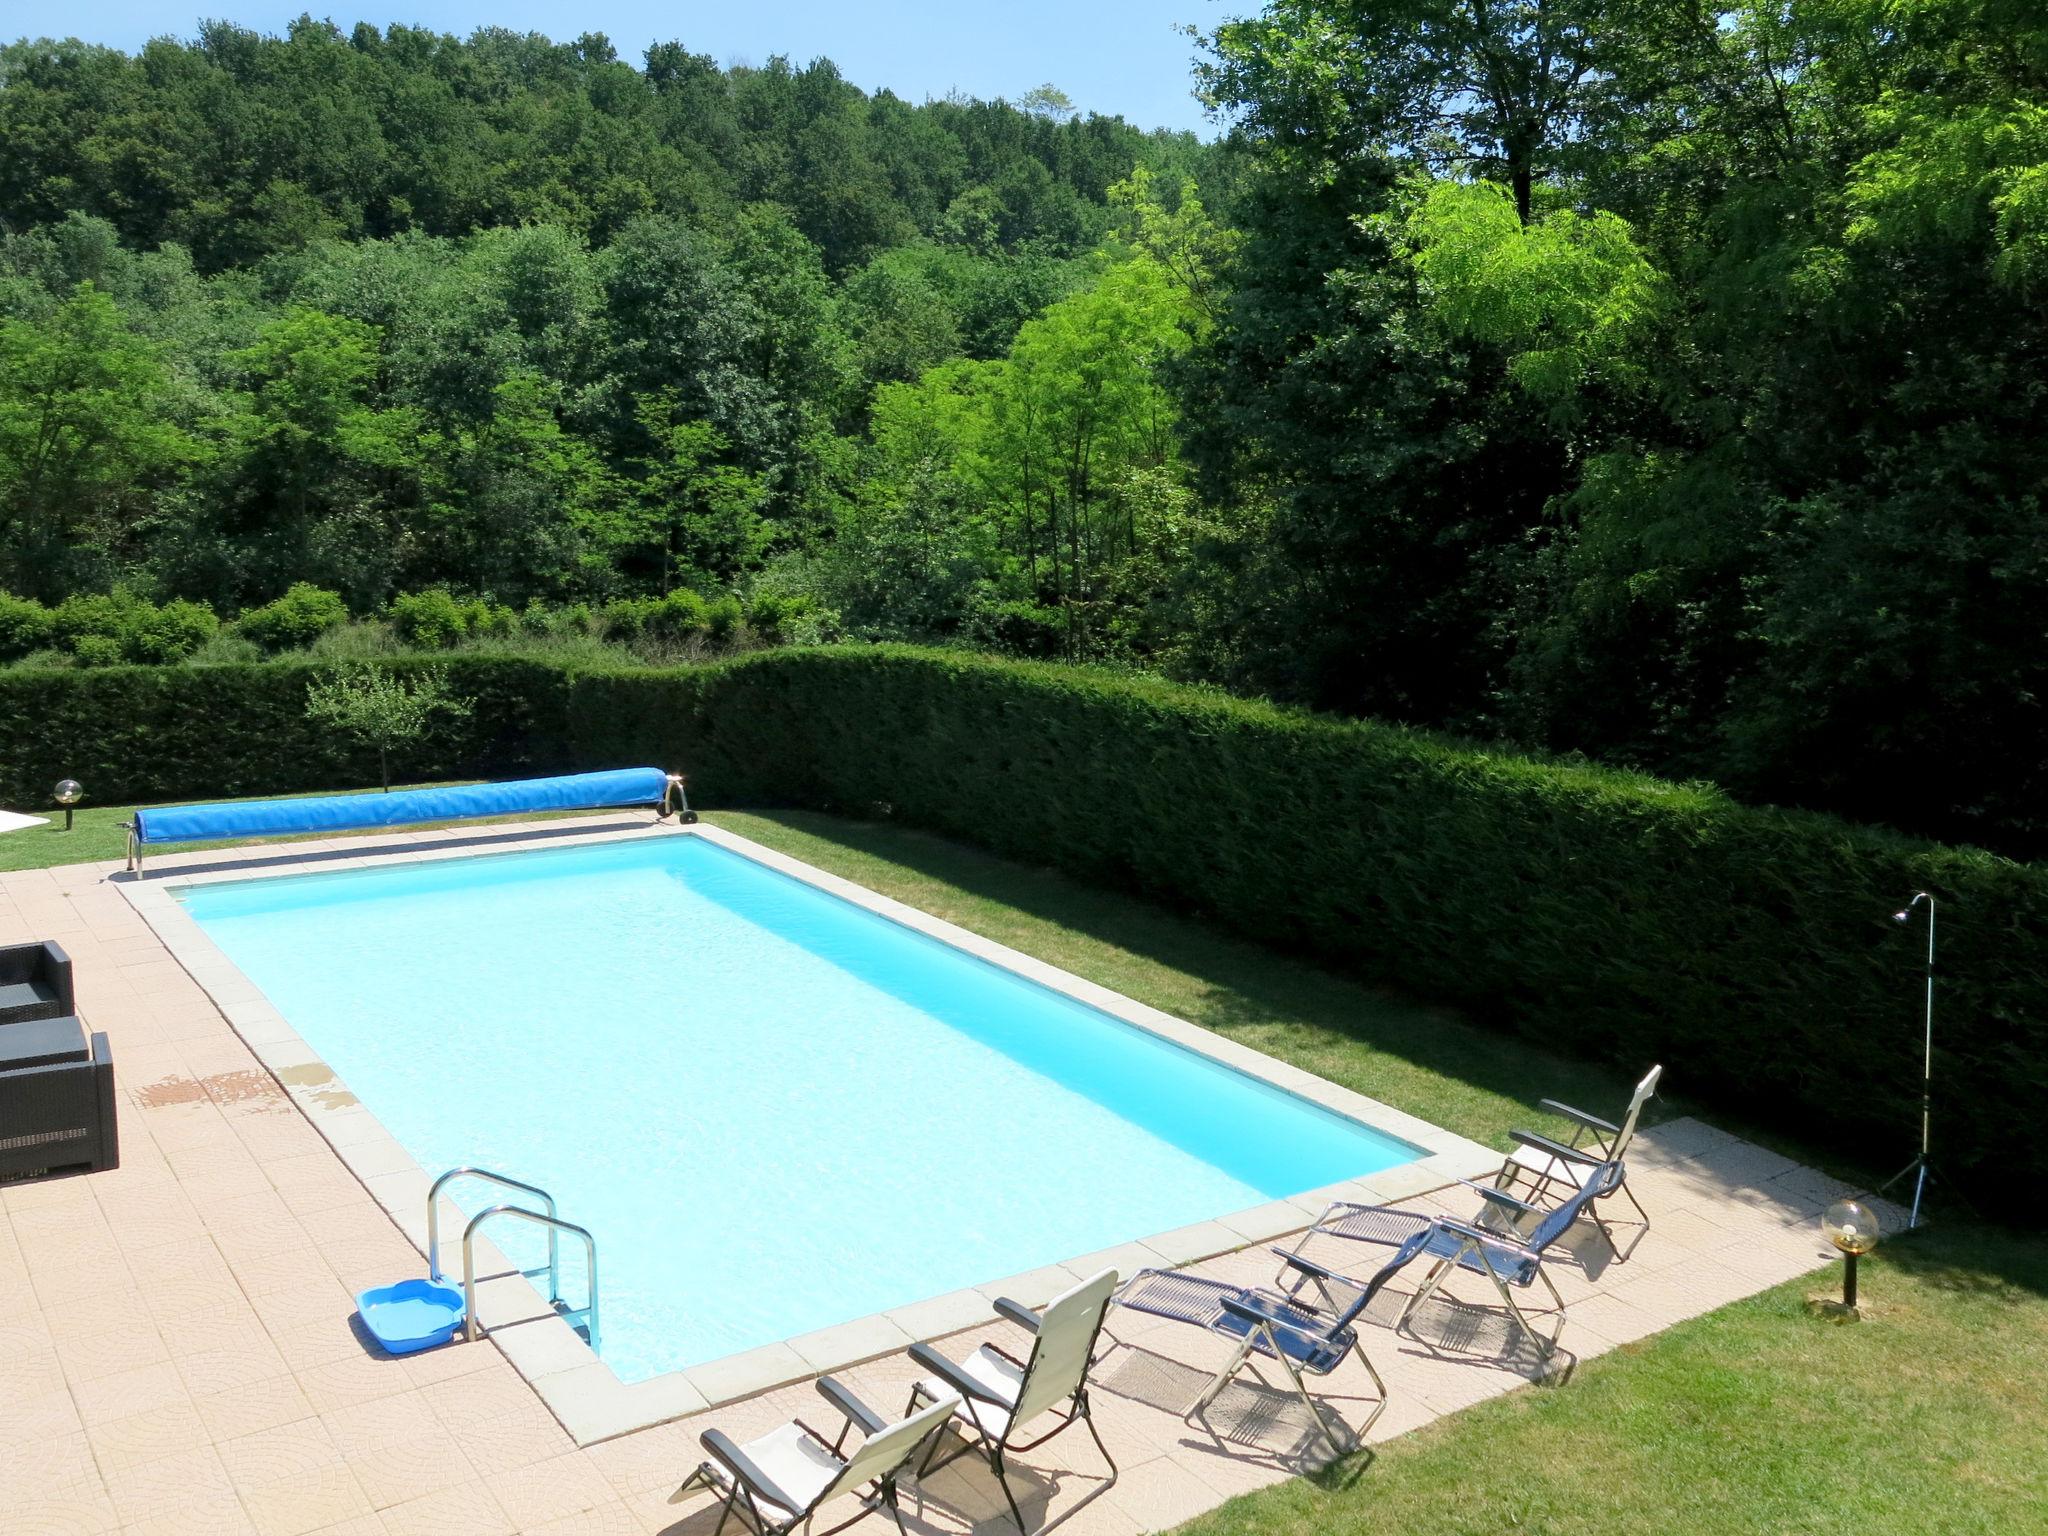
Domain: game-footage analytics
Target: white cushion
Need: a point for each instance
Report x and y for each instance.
(798, 1464)
(990, 1373)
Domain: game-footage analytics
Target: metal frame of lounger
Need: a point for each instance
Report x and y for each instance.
(995, 1446)
(1267, 1322)
(1507, 1257)
(1610, 1144)
(885, 1451)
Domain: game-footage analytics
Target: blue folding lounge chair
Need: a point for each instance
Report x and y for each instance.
(999, 1395)
(1305, 1339)
(1551, 1169)
(780, 1481)
(1505, 1242)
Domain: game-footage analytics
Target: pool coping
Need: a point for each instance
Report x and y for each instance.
(583, 1392)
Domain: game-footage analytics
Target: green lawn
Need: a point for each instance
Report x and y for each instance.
(1927, 1419)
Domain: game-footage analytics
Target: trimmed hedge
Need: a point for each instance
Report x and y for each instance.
(1610, 915)
(138, 734)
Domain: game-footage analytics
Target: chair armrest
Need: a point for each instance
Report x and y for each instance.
(1579, 1115)
(1016, 1312)
(749, 1474)
(857, 1412)
(1486, 1239)
(1501, 1197)
(1340, 1208)
(955, 1378)
(1556, 1149)
(1312, 1269)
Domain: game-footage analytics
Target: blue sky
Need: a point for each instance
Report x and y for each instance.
(1109, 55)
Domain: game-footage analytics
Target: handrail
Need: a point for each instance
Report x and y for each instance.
(434, 1221)
(554, 1224)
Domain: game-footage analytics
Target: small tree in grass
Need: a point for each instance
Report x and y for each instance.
(382, 709)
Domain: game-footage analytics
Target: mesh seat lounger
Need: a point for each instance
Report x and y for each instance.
(1551, 1169)
(1001, 1395)
(780, 1482)
(1305, 1339)
(1509, 1253)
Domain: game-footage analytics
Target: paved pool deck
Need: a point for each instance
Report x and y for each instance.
(178, 1350)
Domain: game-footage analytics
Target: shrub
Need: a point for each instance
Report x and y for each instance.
(228, 647)
(103, 627)
(722, 618)
(388, 711)
(625, 618)
(1017, 628)
(489, 621)
(96, 651)
(429, 621)
(25, 626)
(297, 619)
(679, 616)
(98, 615)
(170, 633)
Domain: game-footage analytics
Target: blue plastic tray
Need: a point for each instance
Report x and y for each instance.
(411, 1315)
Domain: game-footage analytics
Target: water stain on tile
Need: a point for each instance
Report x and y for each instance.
(223, 1088)
(166, 1092)
(244, 1086)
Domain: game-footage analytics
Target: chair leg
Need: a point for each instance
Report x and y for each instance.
(1315, 1409)
(1088, 1418)
(1220, 1380)
(995, 1461)
(1423, 1292)
(1378, 1385)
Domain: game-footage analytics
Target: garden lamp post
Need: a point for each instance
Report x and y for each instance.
(1920, 1166)
(1854, 1228)
(69, 792)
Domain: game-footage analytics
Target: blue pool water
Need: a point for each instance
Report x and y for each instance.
(777, 1111)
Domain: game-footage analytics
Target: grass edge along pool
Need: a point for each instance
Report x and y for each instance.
(779, 1109)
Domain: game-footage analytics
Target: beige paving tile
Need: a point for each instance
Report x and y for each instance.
(27, 1418)
(612, 1518)
(402, 1471)
(216, 1514)
(305, 1502)
(56, 1466)
(64, 1516)
(141, 1489)
(543, 1491)
(151, 1435)
(125, 1393)
(464, 1510)
(250, 1409)
(102, 1352)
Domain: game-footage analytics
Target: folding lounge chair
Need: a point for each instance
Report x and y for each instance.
(1506, 1242)
(779, 1482)
(1551, 1169)
(1001, 1395)
(1305, 1339)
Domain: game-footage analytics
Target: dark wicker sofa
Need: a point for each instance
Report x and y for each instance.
(35, 983)
(56, 1099)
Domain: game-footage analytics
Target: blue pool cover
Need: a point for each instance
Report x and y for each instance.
(342, 813)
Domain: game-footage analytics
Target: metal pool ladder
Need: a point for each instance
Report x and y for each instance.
(584, 1320)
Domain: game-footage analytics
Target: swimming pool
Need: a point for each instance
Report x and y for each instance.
(777, 1110)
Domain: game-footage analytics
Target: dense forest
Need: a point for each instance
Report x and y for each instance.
(1648, 379)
